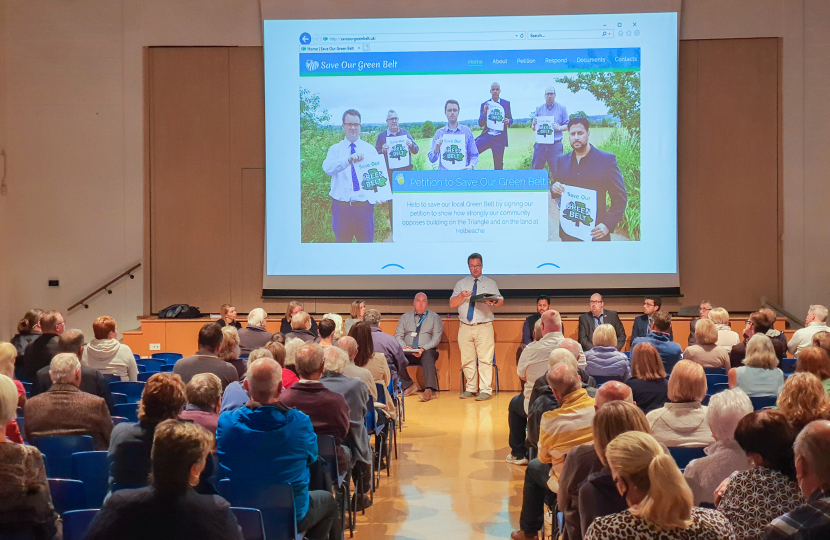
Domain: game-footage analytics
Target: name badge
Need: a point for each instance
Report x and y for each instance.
(413, 334)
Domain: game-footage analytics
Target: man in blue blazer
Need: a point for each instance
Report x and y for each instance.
(643, 323)
(494, 139)
(589, 168)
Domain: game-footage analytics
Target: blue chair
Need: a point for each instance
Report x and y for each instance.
(57, 452)
(788, 365)
(713, 379)
(132, 389)
(118, 420)
(627, 354)
(20, 421)
(76, 523)
(110, 377)
(118, 487)
(168, 357)
(67, 494)
(763, 402)
(250, 521)
(141, 368)
(714, 371)
(137, 356)
(718, 387)
(682, 456)
(20, 411)
(495, 377)
(275, 501)
(92, 469)
(706, 399)
(372, 428)
(391, 436)
(152, 364)
(167, 368)
(118, 398)
(144, 377)
(126, 410)
(28, 387)
(602, 380)
(327, 449)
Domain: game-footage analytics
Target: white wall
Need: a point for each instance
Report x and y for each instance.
(72, 126)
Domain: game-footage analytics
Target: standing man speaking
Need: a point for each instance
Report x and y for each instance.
(475, 335)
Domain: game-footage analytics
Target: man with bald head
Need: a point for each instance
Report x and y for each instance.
(349, 345)
(598, 315)
(812, 469)
(266, 441)
(419, 331)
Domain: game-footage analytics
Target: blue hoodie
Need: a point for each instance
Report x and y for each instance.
(669, 351)
(271, 444)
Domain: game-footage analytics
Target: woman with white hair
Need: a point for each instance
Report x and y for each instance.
(292, 347)
(724, 456)
(759, 376)
(727, 338)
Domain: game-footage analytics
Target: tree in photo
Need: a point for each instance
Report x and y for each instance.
(618, 90)
(428, 131)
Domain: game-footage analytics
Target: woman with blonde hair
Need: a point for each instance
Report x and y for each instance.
(604, 360)
(227, 317)
(295, 307)
(803, 399)
(339, 332)
(659, 502)
(815, 360)
(648, 378)
(356, 312)
(759, 376)
(7, 356)
(727, 337)
(230, 351)
(682, 422)
(706, 350)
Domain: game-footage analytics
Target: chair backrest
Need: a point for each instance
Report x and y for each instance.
(67, 494)
(714, 371)
(137, 356)
(718, 387)
(602, 380)
(115, 486)
(118, 398)
(327, 449)
(92, 469)
(381, 393)
(682, 456)
(20, 421)
(118, 420)
(167, 368)
(275, 501)
(169, 357)
(152, 365)
(141, 368)
(763, 402)
(57, 452)
(788, 365)
(144, 377)
(132, 389)
(713, 379)
(76, 523)
(250, 521)
(126, 410)
(370, 421)
(110, 377)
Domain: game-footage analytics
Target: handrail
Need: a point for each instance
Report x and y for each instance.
(792, 318)
(105, 287)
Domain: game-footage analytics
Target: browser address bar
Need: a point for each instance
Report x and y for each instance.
(425, 37)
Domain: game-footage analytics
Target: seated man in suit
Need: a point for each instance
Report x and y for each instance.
(670, 352)
(597, 316)
(92, 382)
(420, 329)
(703, 310)
(542, 305)
(588, 168)
(65, 410)
(642, 324)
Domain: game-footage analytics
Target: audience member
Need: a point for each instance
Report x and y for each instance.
(816, 322)
(356, 312)
(255, 335)
(389, 346)
(292, 309)
(727, 337)
(269, 442)
(227, 317)
(542, 305)
(327, 410)
(292, 347)
(597, 316)
(279, 353)
(301, 328)
(803, 400)
(28, 330)
(560, 431)
(421, 330)
(25, 501)
(724, 456)
(706, 350)
(206, 359)
(756, 324)
(816, 361)
(64, 409)
(108, 355)
(230, 350)
(204, 399)
(682, 421)
(129, 454)
(339, 332)
(349, 345)
(92, 382)
(357, 397)
(278, 337)
(812, 469)
(643, 324)
(703, 311)
(751, 499)
(7, 356)
(584, 461)
(659, 501)
(759, 376)
(670, 352)
(236, 394)
(648, 378)
(604, 360)
(169, 508)
(822, 340)
(326, 329)
(575, 348)
(40, 352)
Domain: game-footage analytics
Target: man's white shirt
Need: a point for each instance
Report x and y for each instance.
(803, 337)
(338, 167)
(533, 363)
(483, 312)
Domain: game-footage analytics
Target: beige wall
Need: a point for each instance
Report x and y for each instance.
(73, 127)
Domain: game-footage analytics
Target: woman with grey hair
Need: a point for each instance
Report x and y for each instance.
(724, 456)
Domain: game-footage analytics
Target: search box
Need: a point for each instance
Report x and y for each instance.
(426, 37)
(570, 34)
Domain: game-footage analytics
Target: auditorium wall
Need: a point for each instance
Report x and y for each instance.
(74, 130)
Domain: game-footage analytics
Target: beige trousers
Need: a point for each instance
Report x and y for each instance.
(477, 343)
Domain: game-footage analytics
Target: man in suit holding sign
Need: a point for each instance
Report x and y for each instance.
(494, 117)
(549, 122)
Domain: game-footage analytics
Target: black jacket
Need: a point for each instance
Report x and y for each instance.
(38, 355)
(587, 326)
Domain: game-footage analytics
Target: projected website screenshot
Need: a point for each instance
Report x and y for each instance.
(537, 141)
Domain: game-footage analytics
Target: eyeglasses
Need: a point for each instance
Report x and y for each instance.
(476, 266)
(393, 118)
(596, 301)
(350, 125)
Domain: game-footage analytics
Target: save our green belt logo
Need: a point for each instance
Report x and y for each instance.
(398, 151)
(372, 179)
(544, 130)
(453, 154)
(578, 213)
(495, 115)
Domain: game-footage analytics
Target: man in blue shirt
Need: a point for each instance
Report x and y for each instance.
(547, 153)
(267, 442)
(451, 110)
(669, 351)
(492, 138)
